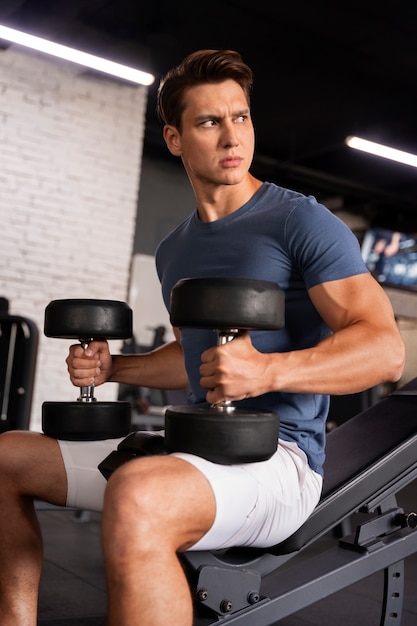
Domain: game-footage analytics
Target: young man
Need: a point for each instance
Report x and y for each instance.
(340, 337)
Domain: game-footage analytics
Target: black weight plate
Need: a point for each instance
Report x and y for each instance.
(88, 319)
(227, 303)
(86, 421)
(241, 436)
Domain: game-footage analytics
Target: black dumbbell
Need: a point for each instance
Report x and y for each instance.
(86, 419)
(224, 433)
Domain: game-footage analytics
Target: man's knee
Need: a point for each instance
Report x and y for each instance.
(162, 497)
(135, 484)
(12, 450)
(131, 504)
(32, 464)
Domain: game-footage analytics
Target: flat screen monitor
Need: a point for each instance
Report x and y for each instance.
(391, 257)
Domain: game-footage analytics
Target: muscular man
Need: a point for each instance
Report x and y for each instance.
(340, 337)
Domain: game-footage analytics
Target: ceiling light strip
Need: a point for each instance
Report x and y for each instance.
(76, 56)
(407, 158)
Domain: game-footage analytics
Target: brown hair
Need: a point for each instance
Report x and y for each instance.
(203, 66)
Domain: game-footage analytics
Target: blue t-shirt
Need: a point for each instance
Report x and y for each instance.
(281, 236)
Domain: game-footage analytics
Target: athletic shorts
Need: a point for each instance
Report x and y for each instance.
(257, 504)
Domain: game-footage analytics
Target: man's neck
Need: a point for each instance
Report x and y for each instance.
(218, 202)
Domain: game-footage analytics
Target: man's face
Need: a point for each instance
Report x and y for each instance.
(217, 140)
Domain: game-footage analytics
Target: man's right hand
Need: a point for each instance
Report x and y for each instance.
(91, 365)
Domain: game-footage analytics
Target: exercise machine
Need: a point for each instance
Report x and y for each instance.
(19, 338)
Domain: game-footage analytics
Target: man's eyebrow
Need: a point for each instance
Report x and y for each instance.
(212, 116)
(207, 116)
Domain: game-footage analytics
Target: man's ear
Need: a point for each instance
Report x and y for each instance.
(173, 140)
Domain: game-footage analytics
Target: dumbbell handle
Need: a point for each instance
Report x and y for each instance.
(224, 336)
(86, 393)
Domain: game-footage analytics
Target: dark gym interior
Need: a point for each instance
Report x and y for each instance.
(323, 71)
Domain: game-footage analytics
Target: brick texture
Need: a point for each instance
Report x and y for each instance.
(71, 145)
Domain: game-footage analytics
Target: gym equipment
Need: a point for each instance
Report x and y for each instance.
(87, 320)
(19, 338)
(224, 433)
(369, 459)
(137, 444)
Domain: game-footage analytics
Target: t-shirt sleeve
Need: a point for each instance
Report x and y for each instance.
(321, 244)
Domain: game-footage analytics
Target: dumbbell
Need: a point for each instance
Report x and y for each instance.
(224, 433)
(86, 419)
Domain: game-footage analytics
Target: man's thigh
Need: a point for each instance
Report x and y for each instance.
(259, 504)
(86, 485)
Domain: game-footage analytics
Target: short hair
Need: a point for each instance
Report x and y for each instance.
(203, 66)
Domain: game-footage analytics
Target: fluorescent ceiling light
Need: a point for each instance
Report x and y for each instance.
(407, 158)
(76, 56)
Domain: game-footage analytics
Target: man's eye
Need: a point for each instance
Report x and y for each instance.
(208, 123)
(242, 118)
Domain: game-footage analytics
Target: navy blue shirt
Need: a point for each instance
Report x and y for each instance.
(281, 236)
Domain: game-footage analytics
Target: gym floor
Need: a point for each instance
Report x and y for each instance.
(72, 590)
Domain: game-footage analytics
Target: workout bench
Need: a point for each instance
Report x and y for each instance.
(369, 459)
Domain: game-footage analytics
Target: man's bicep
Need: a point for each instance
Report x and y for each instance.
(348, 301)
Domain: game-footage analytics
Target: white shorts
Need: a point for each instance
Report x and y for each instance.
(258, 504)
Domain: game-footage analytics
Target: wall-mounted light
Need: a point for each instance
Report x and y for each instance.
(407, 158)
(76, 56)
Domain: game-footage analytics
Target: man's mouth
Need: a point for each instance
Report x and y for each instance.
(232, 161)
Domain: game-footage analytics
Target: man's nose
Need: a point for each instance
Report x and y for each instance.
(230, 136)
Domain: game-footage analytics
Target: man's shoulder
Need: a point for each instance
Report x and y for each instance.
(284, 195)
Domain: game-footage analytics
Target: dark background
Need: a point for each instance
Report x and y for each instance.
(323, 71)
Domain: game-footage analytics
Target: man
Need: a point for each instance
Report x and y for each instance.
(340, 337)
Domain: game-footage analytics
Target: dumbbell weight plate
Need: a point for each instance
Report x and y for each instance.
(86, 421)
(221, 303)
(222, 435)
(84, 318)
(241, 436)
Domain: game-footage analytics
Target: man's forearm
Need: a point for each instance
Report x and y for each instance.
(351, 360)
(162, 368)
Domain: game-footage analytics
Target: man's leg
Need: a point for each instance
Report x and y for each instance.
(153, 507)
(30, 466)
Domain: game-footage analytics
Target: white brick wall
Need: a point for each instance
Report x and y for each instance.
(70, 157)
